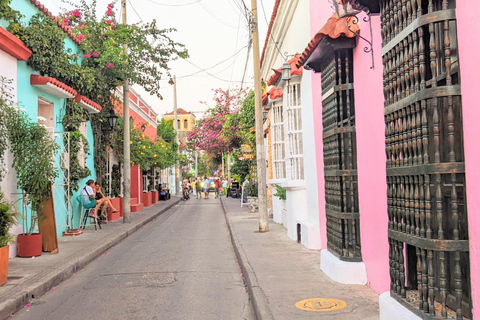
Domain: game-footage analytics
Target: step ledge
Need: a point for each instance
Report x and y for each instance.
(391, 309)
(342, 271)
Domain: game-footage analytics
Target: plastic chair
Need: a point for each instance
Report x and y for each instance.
(86, 207)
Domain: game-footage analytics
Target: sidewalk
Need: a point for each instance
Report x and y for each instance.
(280, 272)
(31, 277)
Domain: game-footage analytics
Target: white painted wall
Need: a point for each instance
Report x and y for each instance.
(8, 69)
(292, 33)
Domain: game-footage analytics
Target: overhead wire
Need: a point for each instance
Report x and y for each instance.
(271, 35)
(141, 20)
(214, 16)
(174, 5)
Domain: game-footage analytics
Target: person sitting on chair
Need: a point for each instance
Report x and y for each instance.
(101, 199)
(88, 200)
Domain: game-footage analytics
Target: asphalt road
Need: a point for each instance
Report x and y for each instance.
(180, 266)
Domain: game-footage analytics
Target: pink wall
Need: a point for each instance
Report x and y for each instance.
(467, 22)
(371, 159)
(320, 11)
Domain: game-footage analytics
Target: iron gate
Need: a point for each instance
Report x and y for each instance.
(428, 229)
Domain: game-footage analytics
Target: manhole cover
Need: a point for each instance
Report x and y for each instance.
(321, 304)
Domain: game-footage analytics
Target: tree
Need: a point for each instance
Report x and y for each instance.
(210, 134)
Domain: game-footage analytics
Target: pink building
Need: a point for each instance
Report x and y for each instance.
(395, 128)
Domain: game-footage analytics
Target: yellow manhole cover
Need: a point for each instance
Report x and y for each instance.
(321, 304)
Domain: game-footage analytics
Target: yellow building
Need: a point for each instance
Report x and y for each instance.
(186, 120)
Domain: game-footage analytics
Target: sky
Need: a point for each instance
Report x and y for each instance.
(215, 32)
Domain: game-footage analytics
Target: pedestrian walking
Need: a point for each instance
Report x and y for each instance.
(206, 185)
(198, 186)
(194, 187)
(218, 185)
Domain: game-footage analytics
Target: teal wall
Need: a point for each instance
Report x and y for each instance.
(28, 99)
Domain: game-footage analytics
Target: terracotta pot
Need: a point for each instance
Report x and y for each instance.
(29, 245)
(3, 265)
(147, 199)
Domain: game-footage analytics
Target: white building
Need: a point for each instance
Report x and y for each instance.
(291, 124)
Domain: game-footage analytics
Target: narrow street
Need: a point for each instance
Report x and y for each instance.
(179, 266)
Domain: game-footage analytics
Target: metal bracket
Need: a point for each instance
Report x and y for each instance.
(370, 43)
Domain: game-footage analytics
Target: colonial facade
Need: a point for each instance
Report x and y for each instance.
(394, 131)
(291, 124)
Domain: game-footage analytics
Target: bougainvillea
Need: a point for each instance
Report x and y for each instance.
(210, 134)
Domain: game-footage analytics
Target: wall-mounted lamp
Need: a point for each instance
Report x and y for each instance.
(286, 71)
(143, 127)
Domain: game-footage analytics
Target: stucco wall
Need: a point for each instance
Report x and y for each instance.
(320, 11)
(467, 22)
(371, 159)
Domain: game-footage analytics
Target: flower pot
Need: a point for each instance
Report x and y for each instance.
(147, 199)
(29, 245)
(3, 265)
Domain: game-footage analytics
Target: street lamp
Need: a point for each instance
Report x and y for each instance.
(112, 119)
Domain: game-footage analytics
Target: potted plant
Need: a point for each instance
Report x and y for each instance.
(8, 216)
(33, 149)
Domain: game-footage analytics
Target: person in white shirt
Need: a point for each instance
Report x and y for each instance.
(89, 198)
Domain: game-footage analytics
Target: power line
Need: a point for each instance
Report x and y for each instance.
(212, 74)
(213, 15)
(271, 36)
(141, 20)
(202, 70)
(174, 5)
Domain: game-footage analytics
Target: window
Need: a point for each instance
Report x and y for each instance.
(278, 141)
(185, 125)
(179, 124)
(295, 135)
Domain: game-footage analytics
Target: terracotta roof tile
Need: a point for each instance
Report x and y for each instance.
(13, 46)
(269, 31)
(41, 80)
(85, 100)
(275, 93)
(179, 111)
(334, 28)
(62, 26)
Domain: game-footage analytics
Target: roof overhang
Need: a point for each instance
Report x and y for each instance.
(13, 46)
(334, 29)
(88, 104)
(52, 86)
(326, 48)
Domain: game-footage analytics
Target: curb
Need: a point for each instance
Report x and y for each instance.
(53, 277)
(257, 297)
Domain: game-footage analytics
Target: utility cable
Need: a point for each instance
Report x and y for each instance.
(174, 5)
(141, 20)
(271, 35)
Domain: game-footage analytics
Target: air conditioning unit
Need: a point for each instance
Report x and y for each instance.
(65, 160)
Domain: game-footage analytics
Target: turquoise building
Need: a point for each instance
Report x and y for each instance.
(45, 99)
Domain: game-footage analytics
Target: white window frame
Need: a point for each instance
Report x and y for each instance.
(82, 156)
(278, 145)
(295, 130)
